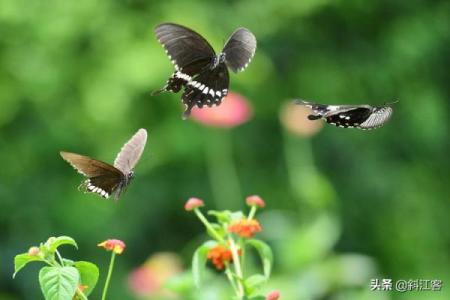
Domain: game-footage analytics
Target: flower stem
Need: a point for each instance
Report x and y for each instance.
(60, 258)
(208, 225)
(252, 213)
(108, 277)
(231, 279)
(237, 268)
(81, 294)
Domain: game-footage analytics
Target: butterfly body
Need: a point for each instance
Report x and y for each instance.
(203, 74)
(350, 116)
(109, 180)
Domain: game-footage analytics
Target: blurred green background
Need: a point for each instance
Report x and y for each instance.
(343, 206)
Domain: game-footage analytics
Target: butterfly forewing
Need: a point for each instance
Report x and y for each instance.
(131, 152)
(89, 167)
(239, 49)
(379, 116)
(183, 45)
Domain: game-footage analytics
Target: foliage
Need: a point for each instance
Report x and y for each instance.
(227, 250)
(64, 279)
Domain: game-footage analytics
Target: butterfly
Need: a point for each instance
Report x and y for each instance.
(203, 74)
(105, 179)
(349, 116)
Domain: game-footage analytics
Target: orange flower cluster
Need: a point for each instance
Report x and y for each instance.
(219, 255)
(245, 228)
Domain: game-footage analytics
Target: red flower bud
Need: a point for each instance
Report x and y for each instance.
(193, 203)
(33, 251)
(117, 246)
(255, 200)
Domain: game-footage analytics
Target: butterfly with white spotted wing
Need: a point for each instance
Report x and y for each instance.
(104, 179)
(202, 73)
(349, 116)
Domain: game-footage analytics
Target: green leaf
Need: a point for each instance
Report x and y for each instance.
(54, 243)
(237, 215)
(221, 216)
(258, 297)
(181, 284)
(59, 283)
(199, 261)
(68, 262)
(88, 275)
(254, 283)
(21, 260)
(265, 253)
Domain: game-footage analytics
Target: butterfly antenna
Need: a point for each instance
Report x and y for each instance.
(301, 102)
(390, 103)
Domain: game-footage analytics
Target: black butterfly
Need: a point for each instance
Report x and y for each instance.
(349, 116)
(202, 73)
(105, 179)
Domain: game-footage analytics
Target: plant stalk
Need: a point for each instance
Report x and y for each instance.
(237, 268)
(208, 225)
(108, 277)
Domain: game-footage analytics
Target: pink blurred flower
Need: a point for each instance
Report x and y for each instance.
(193, 203)
(295, 119)
(274, 295)
(234, 111)
(255, 200)
(149, 279)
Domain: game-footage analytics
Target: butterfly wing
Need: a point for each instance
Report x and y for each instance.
(131, 152)
(239, 49)
(183, 45)
(348, 116)
(379, 116)
(189, 52)
(208, 88)
(103, 178)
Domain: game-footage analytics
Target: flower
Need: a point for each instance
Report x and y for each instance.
(245, 227)
(219, 255)
(193, 203)
(117, 246)
(234, 111)
(274, 295)
(82, 287)
(149, 279)
(295, 119)
(33, 251)
(255, 200)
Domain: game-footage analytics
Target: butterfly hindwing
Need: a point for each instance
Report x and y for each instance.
(349, 118)
(239, 49)
(206, 89)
